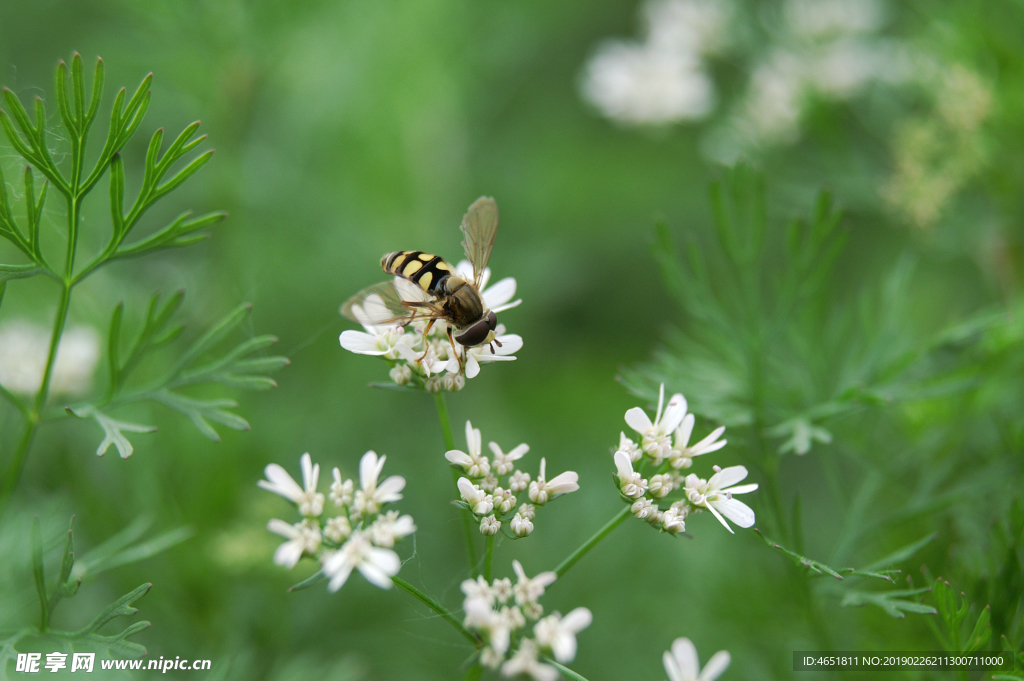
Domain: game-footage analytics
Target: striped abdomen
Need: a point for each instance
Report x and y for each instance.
(429, 271)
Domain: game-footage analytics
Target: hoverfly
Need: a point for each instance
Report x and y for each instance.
(442, 295)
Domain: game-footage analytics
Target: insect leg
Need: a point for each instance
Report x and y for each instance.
(426, 346)
(455, 350)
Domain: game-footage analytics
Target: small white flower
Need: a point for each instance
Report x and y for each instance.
(489, 484)
(655, 435)
(682, 663)
(401, 374)
(673, 520)
(379, 340)
(528, 511)
(303, 538)
(479, 589)
(341, 490)
(528, 590)
(519, 481)
(338, 529)
(502, 589)
(372, 496)
(503, 463)
(434, 384)
(489, 526)
(630, 448)
(453, 383)
(480, 501)
(559, 633)
(543, 490)
(682, 454)
(525, 661)
(23, 353)
(309, 501)
(716, 495)
(389, 527)
(474, 462)
(504, 500)
(522, 527)
(660, 486)
(377, 565)
(480, 616)
(631, 484)
(642, 508)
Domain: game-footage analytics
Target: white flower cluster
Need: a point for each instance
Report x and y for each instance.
(361, 536)
(827, 49)
(492, 499)
(661, 80)
(500, 612)
(682, 664)
(665, 445)
(427, 361)
(23, 353)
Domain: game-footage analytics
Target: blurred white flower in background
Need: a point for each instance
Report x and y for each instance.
(645, 85)
(23, 351)
(662, 79)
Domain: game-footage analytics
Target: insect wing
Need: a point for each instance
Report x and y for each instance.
(377, 305)
(480, 225)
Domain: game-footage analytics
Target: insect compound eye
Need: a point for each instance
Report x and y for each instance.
(479, 332)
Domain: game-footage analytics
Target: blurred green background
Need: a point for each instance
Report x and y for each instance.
(345, 130)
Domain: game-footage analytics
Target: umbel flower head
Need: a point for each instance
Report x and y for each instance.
(424, 359)
(501, 613)
(361, 534)
(664, 498)
(491, 489)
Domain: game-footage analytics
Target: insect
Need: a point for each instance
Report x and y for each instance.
(442, 295)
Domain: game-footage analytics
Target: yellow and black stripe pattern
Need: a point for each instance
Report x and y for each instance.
(429, 271)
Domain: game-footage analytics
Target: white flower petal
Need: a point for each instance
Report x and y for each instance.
(638, 420)
(684, 654)
(388, 491)
(727, 476)
(458, 458)
(279, 482)
(715, 666)
(742, 489)
(684, 432)
(472, 366)
(623, 465)
(361, 343)
(380, 565)
(714, 512)
(674, 413)
(563, 483)
(735, 510)
(288, 554)
(501, 293)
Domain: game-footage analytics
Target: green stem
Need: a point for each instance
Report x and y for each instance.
(566, 672)
(17, 463)
(467, 517)
(436, 607)
(564, 566)
(489, 558)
